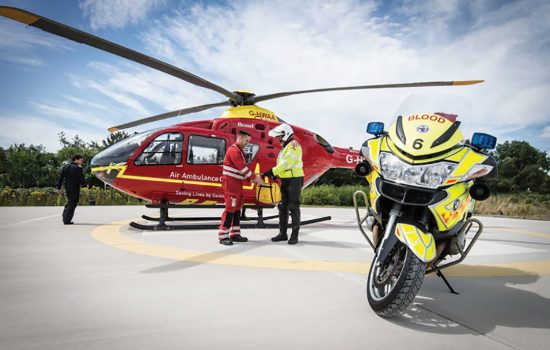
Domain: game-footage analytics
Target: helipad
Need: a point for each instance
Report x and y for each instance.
(101, 284)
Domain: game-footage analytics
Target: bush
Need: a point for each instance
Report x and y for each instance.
(48, 196)
(330, 195)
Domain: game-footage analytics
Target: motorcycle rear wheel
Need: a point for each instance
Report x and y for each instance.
(393, 286)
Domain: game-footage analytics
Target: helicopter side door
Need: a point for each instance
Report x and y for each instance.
(201, 181)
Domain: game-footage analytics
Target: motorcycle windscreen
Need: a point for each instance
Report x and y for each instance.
(429, 124)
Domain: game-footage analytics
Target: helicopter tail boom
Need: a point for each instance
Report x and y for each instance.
(346, 158)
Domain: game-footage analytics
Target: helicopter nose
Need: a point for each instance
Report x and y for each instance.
(107, 164)
(104, 170)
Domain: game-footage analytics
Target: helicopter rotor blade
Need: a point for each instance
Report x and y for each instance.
(254, 99)
(79, 36)
(168, 115)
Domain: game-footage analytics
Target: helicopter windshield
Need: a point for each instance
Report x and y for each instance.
(120, 152)
(451, 107)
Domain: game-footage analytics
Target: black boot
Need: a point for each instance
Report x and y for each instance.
(293, 238)
(226, 241)
(280, 237)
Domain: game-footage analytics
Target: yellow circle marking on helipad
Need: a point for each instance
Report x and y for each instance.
(110, 235)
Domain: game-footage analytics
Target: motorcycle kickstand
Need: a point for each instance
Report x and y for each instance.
(440, 274)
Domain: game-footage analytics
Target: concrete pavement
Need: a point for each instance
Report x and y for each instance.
(102, 284)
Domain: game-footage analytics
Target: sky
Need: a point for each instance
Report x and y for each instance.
(50, 84)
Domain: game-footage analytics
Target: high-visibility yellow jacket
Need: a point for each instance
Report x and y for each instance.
(289, 162)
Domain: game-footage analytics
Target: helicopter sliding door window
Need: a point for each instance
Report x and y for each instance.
(320, 140)
(205, 150)
(250, 152)
(165, 149)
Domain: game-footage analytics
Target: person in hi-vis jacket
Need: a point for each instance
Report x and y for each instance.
(291, 171)
(235, 172)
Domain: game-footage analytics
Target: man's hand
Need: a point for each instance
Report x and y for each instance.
(258, 180)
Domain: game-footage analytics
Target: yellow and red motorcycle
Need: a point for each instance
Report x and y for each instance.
(424, 179)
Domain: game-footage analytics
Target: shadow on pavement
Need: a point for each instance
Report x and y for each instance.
(483, 304)
(207, 257)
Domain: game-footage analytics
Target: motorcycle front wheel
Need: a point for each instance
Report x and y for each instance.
(392, 286)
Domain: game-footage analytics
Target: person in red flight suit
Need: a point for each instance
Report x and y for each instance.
(235, 172)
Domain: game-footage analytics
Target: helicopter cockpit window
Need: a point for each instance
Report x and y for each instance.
(320, 140)
(205, 150)
(165, 149)
(250, 152)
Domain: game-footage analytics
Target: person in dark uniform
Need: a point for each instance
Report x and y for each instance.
(73, 177)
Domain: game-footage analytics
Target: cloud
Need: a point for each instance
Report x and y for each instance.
(117, 14)
(19, 43)
(307, 45)
(269, 46)
(28, 129)
(546, 132)
(76, 116)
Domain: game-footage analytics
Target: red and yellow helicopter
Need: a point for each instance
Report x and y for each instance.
(181, 165)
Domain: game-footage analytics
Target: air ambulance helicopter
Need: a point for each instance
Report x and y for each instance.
(181, 165)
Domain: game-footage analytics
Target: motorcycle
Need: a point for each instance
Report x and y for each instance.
(424, 179)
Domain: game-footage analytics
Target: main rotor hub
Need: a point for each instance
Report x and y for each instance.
(247, 98)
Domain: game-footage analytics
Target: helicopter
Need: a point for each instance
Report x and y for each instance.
(181, 165)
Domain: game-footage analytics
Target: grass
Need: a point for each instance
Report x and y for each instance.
(519, 205)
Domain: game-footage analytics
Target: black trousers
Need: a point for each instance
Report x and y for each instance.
(68, 212)
(291, 189)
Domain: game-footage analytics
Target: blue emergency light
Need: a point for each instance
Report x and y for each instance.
(483, 141)
(375, 128)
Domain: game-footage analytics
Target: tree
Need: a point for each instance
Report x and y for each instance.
(114, 138)
(30, 166)
(523, 154)
(521, 167)
(3, 168)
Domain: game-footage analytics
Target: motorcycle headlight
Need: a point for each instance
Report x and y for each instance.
(430, 176)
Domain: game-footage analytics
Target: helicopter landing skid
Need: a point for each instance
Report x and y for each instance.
(162, 226)
(165, 227)
(203, 218)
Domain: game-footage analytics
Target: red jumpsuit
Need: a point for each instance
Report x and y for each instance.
(235, 172)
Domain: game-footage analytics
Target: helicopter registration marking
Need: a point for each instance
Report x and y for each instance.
(354, 159)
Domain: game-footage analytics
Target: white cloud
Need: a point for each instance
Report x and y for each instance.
(118, 13)
(305, 45)
(85, 103)
(546, 132)
(269, 46)
(18, 47)
(27, 129)
(77, 116)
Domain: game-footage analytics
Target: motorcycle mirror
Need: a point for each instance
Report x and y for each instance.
(363, 169)
(480, 191)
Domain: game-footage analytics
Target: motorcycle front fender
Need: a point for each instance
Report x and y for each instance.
(420, 243)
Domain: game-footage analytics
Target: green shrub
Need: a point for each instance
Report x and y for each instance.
(330, 195)
(48, 196)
